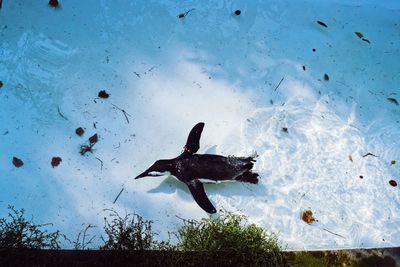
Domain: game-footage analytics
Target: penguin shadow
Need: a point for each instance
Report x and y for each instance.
(236, 188)
(171, 185)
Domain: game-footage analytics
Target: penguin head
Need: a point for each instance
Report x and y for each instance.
(161, 167)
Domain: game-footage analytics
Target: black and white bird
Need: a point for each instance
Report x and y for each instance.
(190, 168)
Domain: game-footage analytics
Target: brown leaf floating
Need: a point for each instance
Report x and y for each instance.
(17, 162)
(55, 161)
(103, 94)
(79, 131)
(308, 216)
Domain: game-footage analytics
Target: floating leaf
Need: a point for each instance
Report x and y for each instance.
(55, 161)
(93, 139)
(322, 24)
(326, 77)
(393, 100)
(53, 3)
(359, 34)
(350, 158)
(17, 162)
(79, 131)
(392, 162)
(393, 183)
(103, 94)
(308, 216)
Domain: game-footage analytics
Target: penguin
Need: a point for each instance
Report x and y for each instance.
(191, 168)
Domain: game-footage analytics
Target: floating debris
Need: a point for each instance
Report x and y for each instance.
(93, 139)
(350, 158)
(60, 113)
(326, 77)
(370, 154)
(103, 94)
(314, 49)
(1, 84)
(79, 131)
(120, 192)
(393, 100)
(322, 24)
(304, 67)
(238, 12)
(17, 162)
(279, 84)
(53, 3)
(361, 177)
(285, 129)
(393, 183)
(360, 35)
(126, 114)
(55, 161)
(308, 216)
(392, 162)
(183, 15)
(89, 148)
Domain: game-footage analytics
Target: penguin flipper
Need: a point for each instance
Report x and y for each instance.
(199, 195)
(193, 141)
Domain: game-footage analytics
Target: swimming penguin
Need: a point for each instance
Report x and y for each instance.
(190, 167)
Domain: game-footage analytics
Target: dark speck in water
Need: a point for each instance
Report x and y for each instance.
(53, 3)
(322, 24)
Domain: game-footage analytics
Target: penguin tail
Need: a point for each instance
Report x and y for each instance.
(248, 177)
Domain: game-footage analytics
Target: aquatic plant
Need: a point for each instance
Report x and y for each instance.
(231, 234)
(16, 232)
(131, 232)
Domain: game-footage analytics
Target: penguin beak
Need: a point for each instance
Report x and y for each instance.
(148, 173)
(156, 170)
(144, 174)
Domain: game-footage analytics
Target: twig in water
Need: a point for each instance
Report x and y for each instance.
(183, 15)
(279, 84)
(120, 192)
(61, 115)
(333, 233)
(101, 162)
(119, 145)
(369, 154)
(126, 114)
